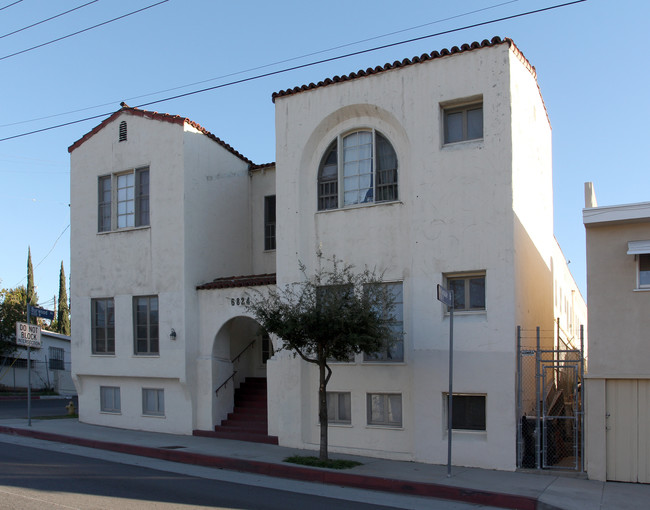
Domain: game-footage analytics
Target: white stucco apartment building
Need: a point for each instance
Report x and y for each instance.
(436, 170)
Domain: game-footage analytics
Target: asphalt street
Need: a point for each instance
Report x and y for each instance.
(40, 407)
(36, 474)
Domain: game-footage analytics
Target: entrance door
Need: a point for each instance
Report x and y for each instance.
(628, 430)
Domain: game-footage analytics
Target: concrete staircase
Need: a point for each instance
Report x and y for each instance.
(248, 421)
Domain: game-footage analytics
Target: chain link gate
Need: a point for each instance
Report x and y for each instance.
(550, 404)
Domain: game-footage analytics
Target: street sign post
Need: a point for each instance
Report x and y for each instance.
(447, 297)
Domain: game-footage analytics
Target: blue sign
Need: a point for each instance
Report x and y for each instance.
(35, 311)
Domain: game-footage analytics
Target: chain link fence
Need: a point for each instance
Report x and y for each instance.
(549, 401)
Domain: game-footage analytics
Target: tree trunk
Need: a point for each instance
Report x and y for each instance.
(322, 410)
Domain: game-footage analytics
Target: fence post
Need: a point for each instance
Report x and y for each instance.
(538, 423)
(520, 453)
(582, 398)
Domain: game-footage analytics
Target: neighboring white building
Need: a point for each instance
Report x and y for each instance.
(618, 381)
(50, 366)
(436, 170)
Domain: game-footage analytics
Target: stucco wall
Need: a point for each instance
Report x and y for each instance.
(456, 212)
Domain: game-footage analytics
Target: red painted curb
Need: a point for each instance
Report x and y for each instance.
(18, 397)
(496, 499)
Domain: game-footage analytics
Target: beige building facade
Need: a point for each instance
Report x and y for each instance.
(618, 380)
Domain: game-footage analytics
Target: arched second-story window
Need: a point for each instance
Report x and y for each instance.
(365, 163)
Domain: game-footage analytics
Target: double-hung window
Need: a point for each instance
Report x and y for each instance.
(123, 200)
(109, 399)
(384, 409)
(392, 350)
(103, 326)
(463, 123)
(145, 319)
(153, 401)
(365, 163)
(469, 291)
(339, 409)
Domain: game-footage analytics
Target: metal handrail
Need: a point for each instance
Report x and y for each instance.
(243, 351)
(225, 382)
(236, 358)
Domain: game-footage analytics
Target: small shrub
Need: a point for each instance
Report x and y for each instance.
(316, 462)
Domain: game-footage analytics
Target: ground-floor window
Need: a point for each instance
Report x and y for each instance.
(384, 409)
(339, 407)
(109, 399)
(468, 412)
(153, 401)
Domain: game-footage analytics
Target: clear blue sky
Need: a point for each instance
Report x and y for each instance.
(591, 60)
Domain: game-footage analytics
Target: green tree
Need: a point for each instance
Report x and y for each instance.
(12, 310)
(63, 315)
(331, 315)
(32, 298)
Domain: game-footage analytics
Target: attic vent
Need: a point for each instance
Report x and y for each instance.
(122, 131)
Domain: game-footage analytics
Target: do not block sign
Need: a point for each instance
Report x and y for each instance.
(28, 335)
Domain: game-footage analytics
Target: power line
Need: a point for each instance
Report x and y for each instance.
(47, 255)
(10, 5)
(46, 20)
(259, 67)
(302, 66)
(82, 31)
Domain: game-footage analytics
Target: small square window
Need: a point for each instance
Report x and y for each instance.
(469, 291)
(339, 407)
(468, 412)
(109, 398)
(153, 402)
(463, 123)
(385, 409)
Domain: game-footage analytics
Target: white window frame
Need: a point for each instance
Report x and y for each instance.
(110, 400)
(338, 185)
(153, 401)
(463, 110)
(456, 400)
(342, 398)
(384, 420)
(397, 324)
(466, 277)
(642, 280)
(120, 206)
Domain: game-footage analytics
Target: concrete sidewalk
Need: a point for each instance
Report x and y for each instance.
(522, 490)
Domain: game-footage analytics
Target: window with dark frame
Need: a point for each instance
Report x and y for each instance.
(365, 162)
(109, 399)
(153, 401)
(103, 326)
(468, 412)
(339, 408)
(269, 222)
(384, 409)
(145, 322)
(644, 270)
(469, 291)
(130, 206)
(463, 123)
(392, 351)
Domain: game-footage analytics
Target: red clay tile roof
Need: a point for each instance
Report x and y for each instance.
(240, 281)
(407, 62)
(164, 117)
(264, 165)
